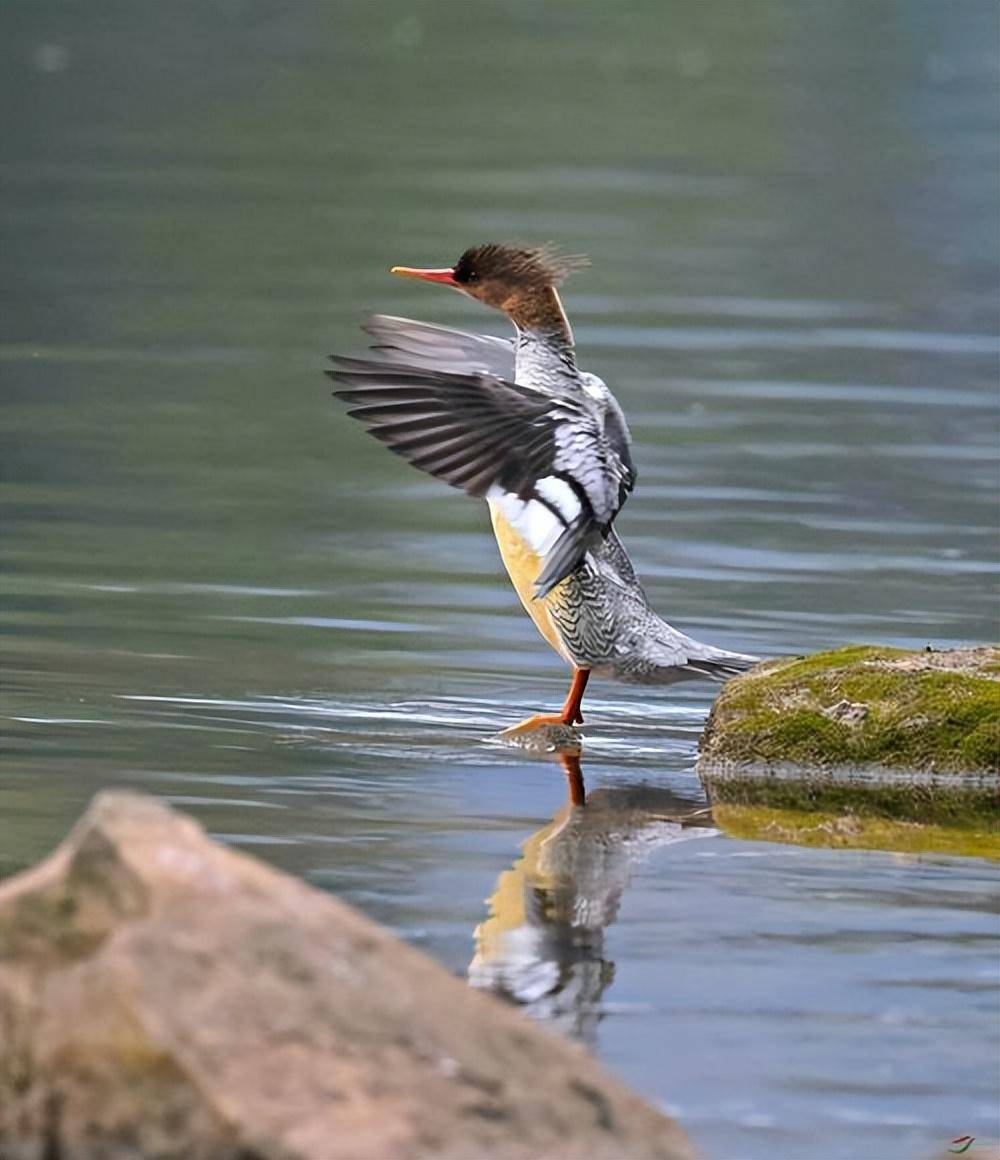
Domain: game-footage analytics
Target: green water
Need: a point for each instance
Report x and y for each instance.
(217, 589)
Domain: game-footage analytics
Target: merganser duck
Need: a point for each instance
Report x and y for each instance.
(514, 421)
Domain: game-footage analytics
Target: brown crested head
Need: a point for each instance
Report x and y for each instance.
(519, 280)
(493, 272)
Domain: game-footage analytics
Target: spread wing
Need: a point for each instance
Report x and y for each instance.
(547, 460)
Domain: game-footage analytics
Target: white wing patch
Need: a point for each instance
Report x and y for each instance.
(562, 497)
(537, 525)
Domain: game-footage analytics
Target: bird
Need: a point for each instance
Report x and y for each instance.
(516, 422)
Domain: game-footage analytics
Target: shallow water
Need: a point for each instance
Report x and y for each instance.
(218, 590)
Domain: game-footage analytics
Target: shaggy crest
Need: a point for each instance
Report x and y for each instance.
(528, 266)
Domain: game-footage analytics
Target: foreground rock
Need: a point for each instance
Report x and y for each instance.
(878, 732)
(161, 996)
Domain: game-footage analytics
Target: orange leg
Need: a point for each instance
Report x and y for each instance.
(569, 715)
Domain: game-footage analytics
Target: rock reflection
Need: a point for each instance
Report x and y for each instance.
(543, 944)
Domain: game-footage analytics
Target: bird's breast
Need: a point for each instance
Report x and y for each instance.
(523, 565)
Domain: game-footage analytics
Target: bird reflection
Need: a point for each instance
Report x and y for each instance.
(542, 945)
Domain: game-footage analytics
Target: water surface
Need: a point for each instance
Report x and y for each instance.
(216, 589)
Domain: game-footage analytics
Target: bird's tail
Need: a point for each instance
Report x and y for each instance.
(720, 665)
(667, 655)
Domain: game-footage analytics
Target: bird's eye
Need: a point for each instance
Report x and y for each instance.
(471, 276)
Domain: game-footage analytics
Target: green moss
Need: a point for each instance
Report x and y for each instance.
(916, 713)
(799, 731)
(854, 831)
(982, 744)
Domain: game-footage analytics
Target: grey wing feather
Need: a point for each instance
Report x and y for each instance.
(405, 342)
(472, 431)
(617, 434)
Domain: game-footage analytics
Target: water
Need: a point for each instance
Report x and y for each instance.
(216, 589)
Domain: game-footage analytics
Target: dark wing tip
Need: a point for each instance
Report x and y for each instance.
(565, 557)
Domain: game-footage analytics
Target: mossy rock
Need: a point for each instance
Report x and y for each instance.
(878, 732)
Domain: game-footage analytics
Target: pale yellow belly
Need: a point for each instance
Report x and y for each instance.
(523, 566)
